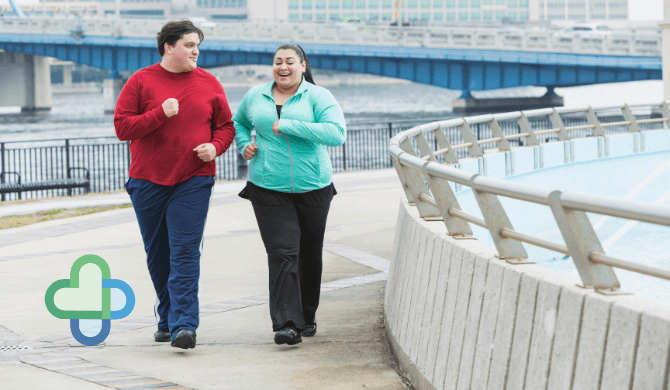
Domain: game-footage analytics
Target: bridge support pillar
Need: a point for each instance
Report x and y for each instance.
(26, 79)
(67, 75)
(467, 104)
(111, 91)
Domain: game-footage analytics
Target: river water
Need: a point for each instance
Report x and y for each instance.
(82, 114)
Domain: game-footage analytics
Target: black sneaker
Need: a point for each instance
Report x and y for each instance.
(288, 336)
(184, 339)
(162, 336)
(310, 330)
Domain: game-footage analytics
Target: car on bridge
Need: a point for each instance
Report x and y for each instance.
(585, 29)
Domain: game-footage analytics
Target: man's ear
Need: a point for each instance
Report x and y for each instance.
(166, 47)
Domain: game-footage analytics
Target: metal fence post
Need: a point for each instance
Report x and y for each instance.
(581, 241)
(344, 156)
(391, 135)
(2, 166)
(67, 163)
(242, 166)
(128, 148)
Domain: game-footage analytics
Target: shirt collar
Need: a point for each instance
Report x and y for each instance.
(267, 91)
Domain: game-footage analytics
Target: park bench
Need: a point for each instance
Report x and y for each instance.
(51, 184)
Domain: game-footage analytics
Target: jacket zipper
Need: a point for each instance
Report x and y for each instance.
(289, 149)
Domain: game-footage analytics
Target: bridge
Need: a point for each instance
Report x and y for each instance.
(466, 59)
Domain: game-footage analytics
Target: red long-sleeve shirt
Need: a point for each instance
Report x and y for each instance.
(161, 148)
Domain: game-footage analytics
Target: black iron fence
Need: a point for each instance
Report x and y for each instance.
(107, 159)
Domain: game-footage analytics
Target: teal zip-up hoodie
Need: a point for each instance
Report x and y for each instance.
(296, 160)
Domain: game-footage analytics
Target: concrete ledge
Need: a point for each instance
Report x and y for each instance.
(457, 317)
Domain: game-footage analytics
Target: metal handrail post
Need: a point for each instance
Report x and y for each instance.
(407, 146)
(444, 201)
(466, 133)
(443, 143)
(665, 111)
(496, 219)
(557, 122)
(581, 240)
(424, 148)
(592, 118)
(403, 178)
(525, 127)
(503, 144)
(417, 186)
(628, 115)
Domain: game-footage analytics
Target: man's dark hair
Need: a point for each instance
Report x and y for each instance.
(174, 31)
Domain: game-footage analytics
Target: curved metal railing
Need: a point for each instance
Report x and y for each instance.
(425, 181)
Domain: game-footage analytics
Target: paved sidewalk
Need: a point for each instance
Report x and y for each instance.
(235, 346)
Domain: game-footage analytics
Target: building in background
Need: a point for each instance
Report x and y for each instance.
(582, 10)
(382, 11)
(458, 10)
(161, 9)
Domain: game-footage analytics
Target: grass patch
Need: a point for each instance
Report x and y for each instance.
(12, 221)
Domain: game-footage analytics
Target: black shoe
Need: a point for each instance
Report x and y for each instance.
(310, 330)
(288, 336)
(184, 339)
(161, 336)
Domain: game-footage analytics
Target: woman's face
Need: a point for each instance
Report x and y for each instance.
(287, 68)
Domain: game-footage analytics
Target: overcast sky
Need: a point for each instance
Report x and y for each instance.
(637, 9)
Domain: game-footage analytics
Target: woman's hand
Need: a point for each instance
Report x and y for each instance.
(275, 128)
(206, 152)
(250, 151)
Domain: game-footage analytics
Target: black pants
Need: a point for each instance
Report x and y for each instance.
(292, 228)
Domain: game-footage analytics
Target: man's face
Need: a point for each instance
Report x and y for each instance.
(184, 53)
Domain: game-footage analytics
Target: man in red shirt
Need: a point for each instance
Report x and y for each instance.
(177, 119)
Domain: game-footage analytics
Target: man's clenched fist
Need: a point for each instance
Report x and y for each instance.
(171, 107)
(206, 152)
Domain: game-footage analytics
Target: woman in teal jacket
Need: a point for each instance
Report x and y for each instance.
(290, 185)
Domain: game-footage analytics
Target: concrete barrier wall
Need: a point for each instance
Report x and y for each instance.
(459, 318)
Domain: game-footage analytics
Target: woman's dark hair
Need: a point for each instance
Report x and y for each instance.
(174, 31)
(303, 58)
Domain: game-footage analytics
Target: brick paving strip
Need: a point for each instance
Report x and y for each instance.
(53, 353)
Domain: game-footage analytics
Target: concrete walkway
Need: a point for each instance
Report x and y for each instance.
(235, 345)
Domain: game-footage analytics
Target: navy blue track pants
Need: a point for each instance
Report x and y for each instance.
(172, 220)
